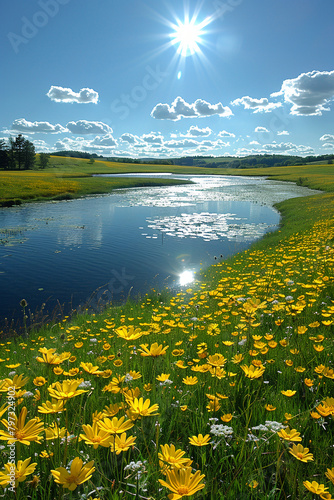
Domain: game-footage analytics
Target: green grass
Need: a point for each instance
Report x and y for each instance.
(270, 307)
(67, 178)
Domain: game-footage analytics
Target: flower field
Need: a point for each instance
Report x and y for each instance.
(224, 391)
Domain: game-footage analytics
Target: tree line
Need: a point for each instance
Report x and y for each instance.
(17, 154)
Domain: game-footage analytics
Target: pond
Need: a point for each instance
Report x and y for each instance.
(106, 248)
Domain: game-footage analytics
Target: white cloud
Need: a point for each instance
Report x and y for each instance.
(286, 147)
(24, 126)
(86, 127)
(130, 138)
(185, 143)
(257, 105)
(61, 94)
(224, 133)
(152, 138)
(105, 141)
(310, 93)
(195, 131)
(254, 143)
(327, 137)
(283, 132)
(328, 145)
(181, 109)
(100, 144)
(41, 145)
(261, 130)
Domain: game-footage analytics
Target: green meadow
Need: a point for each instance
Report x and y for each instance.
(223, 391)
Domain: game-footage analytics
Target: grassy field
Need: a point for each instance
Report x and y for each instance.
(224, 391)
(67, 178)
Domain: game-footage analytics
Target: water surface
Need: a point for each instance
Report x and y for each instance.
(129, 241)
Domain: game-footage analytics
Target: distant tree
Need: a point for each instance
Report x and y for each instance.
(4, 160)
(44, 159)
(19, 151)
(11, 154)
(91, 161)
(29, 155)
(330, 162)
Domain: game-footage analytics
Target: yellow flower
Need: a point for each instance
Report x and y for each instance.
(116, 425)
(117, 362)
(50, 357)
(78, 474)
(180, 364)
(154, 351)
(288, 393)
(45, 454)
(22, 432)
(237, 358)
(95, 436)
(301, 453)
(163, 377)
(116, 384)
(270, 407)
(90, 368)
(227, 417)
(190, 380)
(289, 434)
(52, 407)
(39, 381)
(216, 360)
(177, 352)
(330, 474)
(253, 484)
(147, 387)
(173, 457)
(200, 440)
(72, 372)
(66, 390)
(121, 443)
(135, 375)
(18, 382)
(132, 393)
(308, 382)
(22, 470)
(55, 432)
(111, 410)
(139, 408)
(129, 332)
(252, 372)
(182, 482)
(315, 487)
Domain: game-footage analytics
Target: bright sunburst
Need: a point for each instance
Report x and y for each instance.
(187, 37)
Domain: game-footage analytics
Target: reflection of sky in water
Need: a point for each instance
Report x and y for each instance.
(208, 226)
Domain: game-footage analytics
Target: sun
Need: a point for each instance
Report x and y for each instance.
(188, 37)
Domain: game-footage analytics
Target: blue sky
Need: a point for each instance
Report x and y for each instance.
(169, 78)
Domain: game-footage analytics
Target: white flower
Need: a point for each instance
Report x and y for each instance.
(221, 430)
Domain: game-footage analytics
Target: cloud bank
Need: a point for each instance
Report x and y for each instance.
(257, 105)
(181, 109)
(24, 126)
